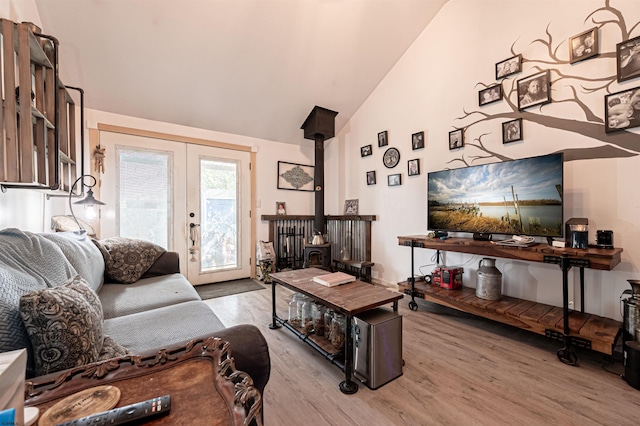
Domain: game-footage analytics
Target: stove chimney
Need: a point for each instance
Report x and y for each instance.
(319, 126)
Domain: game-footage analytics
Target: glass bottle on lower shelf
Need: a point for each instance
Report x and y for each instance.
(307, 318)
(317, 313)
(294, 318)
(328, 317)
(338, 328)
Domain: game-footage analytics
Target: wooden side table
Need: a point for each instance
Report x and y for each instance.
(360, 268)
(201, 378)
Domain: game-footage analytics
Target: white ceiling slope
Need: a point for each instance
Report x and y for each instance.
(249, 67)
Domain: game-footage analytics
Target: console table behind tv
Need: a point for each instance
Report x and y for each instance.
(572, 327)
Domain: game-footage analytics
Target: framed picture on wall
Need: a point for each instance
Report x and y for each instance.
(351, 207)
(417, 140)
(383, 138)
(394, 180)
(281, 207)
(371, 177)
(490, 94)
(297, 177)
(414, 167)
(534, 90)
(512, 130)
(509, 66)
(583, 46)
(628, 59)
(622, 110)
(365, 151)
(456, 139)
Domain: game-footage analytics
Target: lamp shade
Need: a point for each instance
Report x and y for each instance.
(88, 201)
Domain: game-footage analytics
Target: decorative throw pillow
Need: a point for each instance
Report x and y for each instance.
(111, 349)
(64, 324)
(127, 259)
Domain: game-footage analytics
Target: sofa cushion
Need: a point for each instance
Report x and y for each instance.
(145, 333)
(145, 294)
(27, 263)
(127, 259)
(64, 324)
(83, 255)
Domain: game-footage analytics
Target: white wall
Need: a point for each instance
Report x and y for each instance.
(429, 89)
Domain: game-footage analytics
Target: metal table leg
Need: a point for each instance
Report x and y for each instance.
(566, 354)
(274, 323)
(348, 386)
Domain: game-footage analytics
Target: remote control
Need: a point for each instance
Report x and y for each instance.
(129, 413)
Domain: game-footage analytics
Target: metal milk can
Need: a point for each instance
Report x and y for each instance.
(489, 284)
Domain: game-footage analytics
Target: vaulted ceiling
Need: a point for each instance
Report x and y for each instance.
(249, 67)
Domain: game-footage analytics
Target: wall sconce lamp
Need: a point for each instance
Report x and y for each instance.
(89, 202)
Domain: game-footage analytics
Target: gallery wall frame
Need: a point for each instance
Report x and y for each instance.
(534, 90)
(351, 207)
(509, 66)
(490, 95)
(296, 177)
(512, 130)
(371, 177)
(383, 138)
(366, 151)
(628, 59)
(413, 167)
(417, 140)
(281, 208)
(622, 110)
(456, 139)
(584, 46)
(394, 179)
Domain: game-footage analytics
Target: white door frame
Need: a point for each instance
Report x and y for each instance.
(102, 127)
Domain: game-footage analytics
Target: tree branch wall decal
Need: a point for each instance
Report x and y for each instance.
(570, 84)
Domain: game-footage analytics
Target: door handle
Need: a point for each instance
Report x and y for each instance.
(193, 233)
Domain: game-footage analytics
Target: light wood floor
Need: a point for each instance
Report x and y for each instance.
(459, 370)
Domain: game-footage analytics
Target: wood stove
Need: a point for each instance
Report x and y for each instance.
(317, 256)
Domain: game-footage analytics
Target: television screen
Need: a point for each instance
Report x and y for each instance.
(515, 197)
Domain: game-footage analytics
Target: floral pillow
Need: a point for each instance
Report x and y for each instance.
(64, 325)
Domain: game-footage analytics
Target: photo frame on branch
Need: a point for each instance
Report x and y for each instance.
(534, 90)
(622, 110)
(628, 59)
(456, 139)
(584, 46)
(490, 94)
(512, 130)
(509, 66)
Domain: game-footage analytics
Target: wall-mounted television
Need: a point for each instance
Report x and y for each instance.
(514, 197)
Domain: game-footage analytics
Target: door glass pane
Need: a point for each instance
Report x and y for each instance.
(219, 212)
(144, 195)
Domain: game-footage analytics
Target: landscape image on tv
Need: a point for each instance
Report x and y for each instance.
(510, 197)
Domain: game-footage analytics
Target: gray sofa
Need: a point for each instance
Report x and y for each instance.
(160, 310)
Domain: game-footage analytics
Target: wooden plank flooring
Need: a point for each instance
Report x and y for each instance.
(459, 370)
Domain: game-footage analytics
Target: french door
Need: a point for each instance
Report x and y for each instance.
(188, 198)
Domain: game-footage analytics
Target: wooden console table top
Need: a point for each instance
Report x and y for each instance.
(201, 378)
(602, 259)
(350, 299)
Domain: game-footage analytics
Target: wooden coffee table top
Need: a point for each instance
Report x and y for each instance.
(350, 299)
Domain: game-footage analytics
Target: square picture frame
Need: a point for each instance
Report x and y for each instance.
(413, 167)
(371, 177)
(394, 179)
(628, 59)
(490, 95)
(534, 90)
(383, 138)
(281, 208)
(584, 46)
(366, 151)
(295, 177)
(417, 140)
(350, 207)
(509, 66)
(622, 110)
(512, 131)
(456, 139)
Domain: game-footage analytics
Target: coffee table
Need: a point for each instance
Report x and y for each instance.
(348, 299)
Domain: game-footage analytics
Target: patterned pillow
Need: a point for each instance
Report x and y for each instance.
(127, 259)
(64, 325)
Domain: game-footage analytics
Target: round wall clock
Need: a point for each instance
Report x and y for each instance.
(391, 158)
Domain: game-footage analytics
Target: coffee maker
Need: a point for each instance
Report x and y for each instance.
(631, 334)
